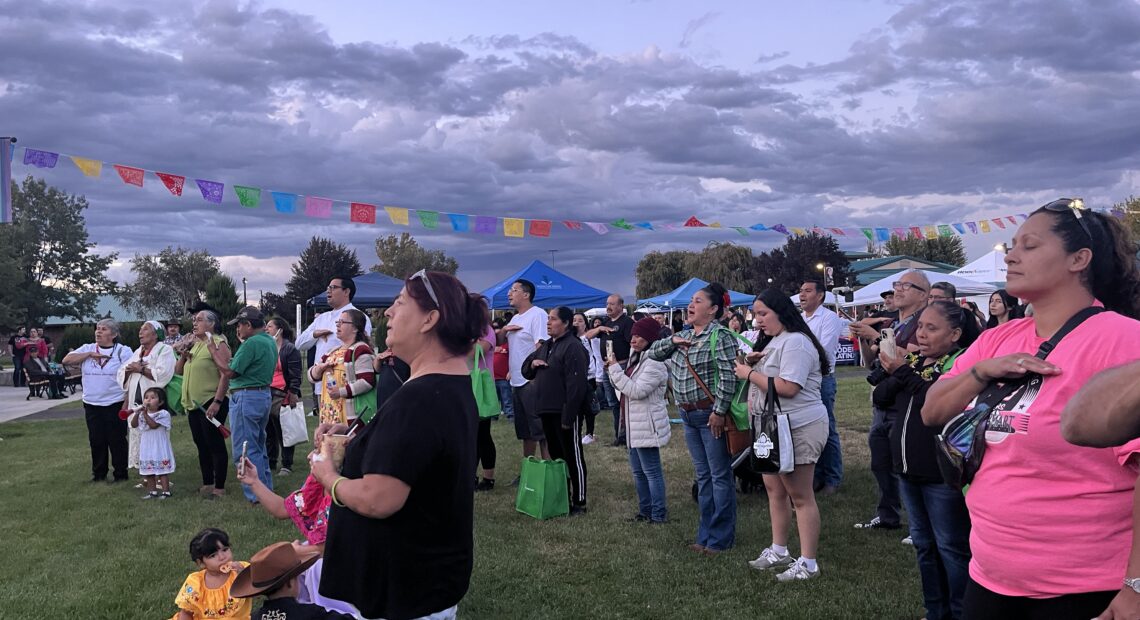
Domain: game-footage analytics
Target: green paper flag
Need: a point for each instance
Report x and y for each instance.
(869, 233)
(741, 230)
(944, 230)
(429, 219)
(622, 224)
(248, 196)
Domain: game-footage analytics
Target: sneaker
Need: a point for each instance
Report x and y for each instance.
(588, 439)
(486, 484)
(284, 471)
(151, 495)
(770, 559)
(164, 495)
(876, 524)
(576, 511)
(798, 571)
(908, 541)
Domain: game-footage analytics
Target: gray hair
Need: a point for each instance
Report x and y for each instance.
(110, 324)
(212, 317)
(921, 277)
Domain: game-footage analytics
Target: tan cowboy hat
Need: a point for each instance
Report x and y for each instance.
(271, 567)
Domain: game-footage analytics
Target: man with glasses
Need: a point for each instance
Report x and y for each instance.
(522, 334)
(912, 290)
(321, 333)
(826, 326)
(943, 291)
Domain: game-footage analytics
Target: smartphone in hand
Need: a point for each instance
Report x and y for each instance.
(241, 463)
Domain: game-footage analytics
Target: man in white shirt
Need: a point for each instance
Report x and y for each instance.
(527, 327)
(322, 332)
(826, 326)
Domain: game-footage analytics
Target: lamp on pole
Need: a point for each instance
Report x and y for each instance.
(552, 252)
(244, 295)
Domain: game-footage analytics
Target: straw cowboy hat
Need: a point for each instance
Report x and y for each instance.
(271, 567)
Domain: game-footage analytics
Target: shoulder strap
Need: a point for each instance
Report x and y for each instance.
(700, 382)
(1078, 318)
(772, 398)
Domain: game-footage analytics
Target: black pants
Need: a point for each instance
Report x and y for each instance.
(592, 415)
(106, 432)
(564, 444)
(213, 457)
(485, 445)
(883, 467)
(982, 604)
(274, 445)
(18, 369)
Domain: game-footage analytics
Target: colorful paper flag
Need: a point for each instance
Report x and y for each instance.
(600, 228)
(485, 224)
(6, 150)
(173, 182)
(622, 224)
(798, 231)
(758, 227)
(882, 235)
(284, 202)
(211, 190)
(572, 225)
(40, 159)
(984, 225)
(916, 232)
(539, 228)
(1000, 224)
(867, 232)
(780, 228)
(459, 222)
(693, 222)
(362, 213)
(89, 167)
(742, 230)
(428, 219)
(714, 225)
(131, 176)
(248, 196)
(398, 215)
(931, 232)
(944, 230)
(1023, 216)
(973, 226)
(645, 225)
(960, 228)
(513, 227)
(318, 207)
(838, 231)
(1012, 220)
(900, 232)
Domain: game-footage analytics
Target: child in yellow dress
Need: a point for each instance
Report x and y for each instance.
(206, 593)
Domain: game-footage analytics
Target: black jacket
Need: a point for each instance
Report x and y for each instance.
(561, 386)
(290, 366)
(913, 444)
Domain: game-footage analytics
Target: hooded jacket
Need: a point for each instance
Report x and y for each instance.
(560, 387)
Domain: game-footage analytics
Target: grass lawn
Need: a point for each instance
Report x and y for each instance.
(78, 550)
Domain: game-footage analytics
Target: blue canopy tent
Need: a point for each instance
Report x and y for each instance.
(680, 296)
(551, 288)
(373, 290)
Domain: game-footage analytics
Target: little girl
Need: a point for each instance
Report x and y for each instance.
(206, 593)
(156, 456)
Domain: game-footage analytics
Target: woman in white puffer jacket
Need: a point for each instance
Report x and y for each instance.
(641, 386)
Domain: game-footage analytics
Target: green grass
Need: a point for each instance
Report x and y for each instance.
(79, 550)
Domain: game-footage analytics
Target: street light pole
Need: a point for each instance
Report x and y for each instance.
(552, 252)
(244, 295)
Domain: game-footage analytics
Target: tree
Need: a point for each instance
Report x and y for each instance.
(660, 272)
(49, 269)
(948, 250)
(401, 256)
(168, 282)
(221, 294)
(272, 304)
(797, 260)
(730, 264)
(323, 260)
(1131, 210)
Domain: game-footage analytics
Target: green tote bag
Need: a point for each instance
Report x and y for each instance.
(543, 491)
(483, 385)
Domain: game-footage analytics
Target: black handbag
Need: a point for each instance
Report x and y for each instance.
(962, 442)
(771, 451)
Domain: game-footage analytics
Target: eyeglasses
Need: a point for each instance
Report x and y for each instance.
(333, 287)
(1074, 205)
(939, 297)
(422, 274)
(902, 286)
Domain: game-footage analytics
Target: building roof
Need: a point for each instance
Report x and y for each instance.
(875, 269)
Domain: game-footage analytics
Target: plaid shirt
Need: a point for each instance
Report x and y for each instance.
(700, 354)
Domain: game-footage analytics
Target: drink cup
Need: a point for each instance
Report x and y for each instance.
(336, 448)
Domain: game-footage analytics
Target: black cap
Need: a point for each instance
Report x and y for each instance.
(889, 291)
(248, 313)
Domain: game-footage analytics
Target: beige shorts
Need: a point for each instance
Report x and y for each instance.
(808, 441)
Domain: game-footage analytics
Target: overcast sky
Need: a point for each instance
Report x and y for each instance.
(826, 113)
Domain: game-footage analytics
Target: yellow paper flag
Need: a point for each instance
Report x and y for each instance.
(715, 225)
(398, 215)
(90, 167)
(513, 227)
(984, 225)
(798, 231)
(931, 232)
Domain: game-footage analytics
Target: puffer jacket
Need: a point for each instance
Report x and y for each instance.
(561, 387)
(644, 413)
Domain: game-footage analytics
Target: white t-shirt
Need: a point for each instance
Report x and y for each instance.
(101, 378)
(827, 327)
(522, 342)
(791, 356)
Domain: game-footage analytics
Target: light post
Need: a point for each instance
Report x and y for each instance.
(244, 296)
(552, 252)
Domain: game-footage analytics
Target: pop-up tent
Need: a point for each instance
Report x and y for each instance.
(551, 288)
(373, 290)
(680, 296)
(989, 268)
(870, 294)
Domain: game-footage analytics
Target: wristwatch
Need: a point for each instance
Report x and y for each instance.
(1134, 583)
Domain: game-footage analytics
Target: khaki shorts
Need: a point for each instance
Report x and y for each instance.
(808, 441)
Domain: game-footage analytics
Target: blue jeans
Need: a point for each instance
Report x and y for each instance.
(649, 479)
(716, 489)
(829, 468)
(249, 414)
(506, 397)
(940, 529)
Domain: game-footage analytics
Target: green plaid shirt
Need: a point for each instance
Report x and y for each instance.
(717, 371)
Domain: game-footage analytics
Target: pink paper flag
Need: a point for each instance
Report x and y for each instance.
(597, 227)
(318, 207)
(129, 175)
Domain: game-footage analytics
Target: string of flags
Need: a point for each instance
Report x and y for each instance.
(213, 191)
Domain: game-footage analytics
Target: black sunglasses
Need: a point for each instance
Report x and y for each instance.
(1076, 206)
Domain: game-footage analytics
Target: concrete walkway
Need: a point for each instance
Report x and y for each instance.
(13, 405)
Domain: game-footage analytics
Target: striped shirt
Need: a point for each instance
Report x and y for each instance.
(703, 360)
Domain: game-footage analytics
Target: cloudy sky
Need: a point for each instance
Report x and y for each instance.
(826, 113)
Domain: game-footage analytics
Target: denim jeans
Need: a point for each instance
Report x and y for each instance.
(829, 468)
(249, 415)
(940, 529)
(716, 488)
(883, 468)
(649, 479)
(506, 397)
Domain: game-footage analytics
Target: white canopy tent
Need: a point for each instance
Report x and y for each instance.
(871, 294)
(989, 268)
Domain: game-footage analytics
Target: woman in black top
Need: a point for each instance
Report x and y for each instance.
(400, 530)
(559, 368)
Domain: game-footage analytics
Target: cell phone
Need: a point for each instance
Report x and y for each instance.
(887, 343)
(241, 463)
(610, 350)
(741, 359)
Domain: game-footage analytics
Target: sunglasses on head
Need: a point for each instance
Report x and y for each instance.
(422, 275)
(1076, 206)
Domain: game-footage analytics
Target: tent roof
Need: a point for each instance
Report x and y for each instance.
(373, 290)
(989, 268)
(551, 288)
(680, 296)
(870, 294)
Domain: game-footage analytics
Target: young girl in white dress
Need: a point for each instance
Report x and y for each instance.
(156, 456)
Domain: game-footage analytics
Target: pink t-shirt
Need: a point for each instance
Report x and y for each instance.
(486, 360)
(1050, 518)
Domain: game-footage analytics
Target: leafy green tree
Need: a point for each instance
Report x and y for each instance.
(401, 256)
(660, 272)
(730, 264)
(1131, 210)
(323, 260)
(798, 259)
(167, 283)
(948, 250)
(221, 293)
(48, 268)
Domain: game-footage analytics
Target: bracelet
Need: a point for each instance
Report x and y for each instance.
(332, 491)
(749, 377)
(977, 377)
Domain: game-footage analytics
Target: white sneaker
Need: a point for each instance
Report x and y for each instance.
(908, 541)
(770, 559)
(587, 440)
(798, 572)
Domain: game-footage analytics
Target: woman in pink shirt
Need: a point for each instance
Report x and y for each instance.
(1052, 522)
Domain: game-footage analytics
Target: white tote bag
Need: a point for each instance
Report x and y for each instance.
(293, 429)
